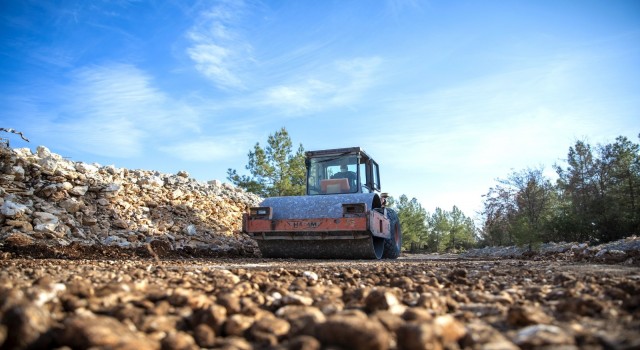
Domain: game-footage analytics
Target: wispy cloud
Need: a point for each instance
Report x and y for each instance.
(217, 48)
(399, 6)
(341, 83)
(110, 110)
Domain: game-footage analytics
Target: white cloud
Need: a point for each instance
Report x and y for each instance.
(217, 48)
(211, 60)
(301, 96)
(298, 79)
(337, 85)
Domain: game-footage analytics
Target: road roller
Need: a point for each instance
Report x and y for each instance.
(341, 216)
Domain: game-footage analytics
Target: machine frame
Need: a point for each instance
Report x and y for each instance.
(342, 223)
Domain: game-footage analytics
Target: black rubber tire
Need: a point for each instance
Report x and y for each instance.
(393, 245)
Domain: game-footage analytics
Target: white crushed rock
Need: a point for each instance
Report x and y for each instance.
(53, 200)
(625, 251)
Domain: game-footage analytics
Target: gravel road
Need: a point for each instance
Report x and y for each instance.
(410, 303)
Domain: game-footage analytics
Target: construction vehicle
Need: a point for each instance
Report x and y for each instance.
(342, 215)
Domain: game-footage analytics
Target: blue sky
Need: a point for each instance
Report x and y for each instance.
(447, 96)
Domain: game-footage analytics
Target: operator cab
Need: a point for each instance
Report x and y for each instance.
(342, 170)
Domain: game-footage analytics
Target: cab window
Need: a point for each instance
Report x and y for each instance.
(332, 175)
(376, 175)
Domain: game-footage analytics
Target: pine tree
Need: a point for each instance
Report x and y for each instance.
(275, 170)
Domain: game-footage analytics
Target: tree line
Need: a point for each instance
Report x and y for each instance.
(596, 199)
(440, 231)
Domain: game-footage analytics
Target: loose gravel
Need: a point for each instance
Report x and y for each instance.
(281, 304)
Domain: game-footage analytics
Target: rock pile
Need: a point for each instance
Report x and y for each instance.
(625, 251)
(46, 198)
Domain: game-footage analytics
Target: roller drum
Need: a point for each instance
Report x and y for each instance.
(320, 207)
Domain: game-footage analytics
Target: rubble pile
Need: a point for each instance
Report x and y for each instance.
(46, 199)
(625, 251)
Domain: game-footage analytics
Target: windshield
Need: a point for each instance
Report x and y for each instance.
(331, 175)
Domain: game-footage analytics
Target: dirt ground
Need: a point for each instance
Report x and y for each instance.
(416, 302)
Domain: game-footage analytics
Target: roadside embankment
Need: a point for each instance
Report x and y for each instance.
(51, 203)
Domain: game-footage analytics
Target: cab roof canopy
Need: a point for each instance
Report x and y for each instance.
(337, 152)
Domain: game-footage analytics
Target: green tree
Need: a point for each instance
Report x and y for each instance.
(580, 184)
(600, 191)
(413, 221)
(450, 231)
(499, 209)
(534, 200)
(519, 208)
(275, 170)
(461, 235)
(620, 165)
(438, 230)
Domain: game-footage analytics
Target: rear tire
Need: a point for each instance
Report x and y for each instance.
(393, 244)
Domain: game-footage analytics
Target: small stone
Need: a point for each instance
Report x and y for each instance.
(112, 187)
(381, 299)
(275, 326)
(12, 210)
(178, 340)
(238, 324)
(389, 320)
(204, 336)
(23, 225)
(18, 173)
(25, 324)
(45, 218)
(71, 205)
(542, 335)
(523, 315)
(417, 336)
(584, 306)
(266, 331)
(84, 168)
(301, 318)
(190, 230)
(403, 282)
(480, 335)
(79, 190)
(448, 328)
(18, 240)
(101, 331)
(233, 343)
(351, 332)
(159, 323)
(120, 224)
(296, 299)
(303, 342)
(416, 314)
(89, 221)
(177, 194)
(310, 275)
